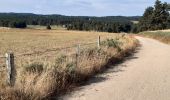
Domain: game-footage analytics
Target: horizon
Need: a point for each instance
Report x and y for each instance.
(64, 15)
(93, 8)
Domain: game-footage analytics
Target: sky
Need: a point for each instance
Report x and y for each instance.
(78, 7)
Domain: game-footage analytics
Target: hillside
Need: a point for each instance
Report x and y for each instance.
(60, 18)
(112, 24)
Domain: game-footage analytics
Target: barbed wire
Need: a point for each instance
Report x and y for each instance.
(48, 50)
(2, 57)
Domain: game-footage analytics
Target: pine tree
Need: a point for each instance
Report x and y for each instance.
(168, 7)
(147, 19)
(160, 15)
(155, 18)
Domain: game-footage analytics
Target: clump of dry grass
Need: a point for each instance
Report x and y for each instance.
(43, 80)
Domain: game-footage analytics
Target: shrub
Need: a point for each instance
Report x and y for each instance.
(48, 27)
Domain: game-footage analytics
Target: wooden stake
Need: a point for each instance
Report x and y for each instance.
(10, 68)
(98, 42)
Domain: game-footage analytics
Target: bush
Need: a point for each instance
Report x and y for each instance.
(48, 27)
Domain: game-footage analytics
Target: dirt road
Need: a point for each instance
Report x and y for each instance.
(145, 76)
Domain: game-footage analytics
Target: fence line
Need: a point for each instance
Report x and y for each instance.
(2, 57)
(10, 59)
(48, 50)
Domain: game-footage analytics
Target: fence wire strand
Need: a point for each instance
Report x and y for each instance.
(48, 50)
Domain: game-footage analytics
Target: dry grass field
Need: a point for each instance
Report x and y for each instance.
(28, 41)
(31, 40)
(56, 71)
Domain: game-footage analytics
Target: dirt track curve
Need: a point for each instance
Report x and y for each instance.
(145, 76)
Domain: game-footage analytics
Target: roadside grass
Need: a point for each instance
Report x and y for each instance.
(46, 79)
(163, 36)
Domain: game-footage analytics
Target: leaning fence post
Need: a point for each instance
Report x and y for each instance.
(10, 68)
(98, 42)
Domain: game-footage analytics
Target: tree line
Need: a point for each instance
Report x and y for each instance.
(104, 24)
(101, 26)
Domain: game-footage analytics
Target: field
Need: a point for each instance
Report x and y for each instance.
(28, 40)
(162, 35)
(46, 71)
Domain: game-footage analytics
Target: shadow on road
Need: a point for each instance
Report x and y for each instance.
(105, 74)
(118, 67)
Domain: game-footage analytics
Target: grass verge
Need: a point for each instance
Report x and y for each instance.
(158, 35)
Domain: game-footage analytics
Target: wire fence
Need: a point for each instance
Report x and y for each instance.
(11, 60)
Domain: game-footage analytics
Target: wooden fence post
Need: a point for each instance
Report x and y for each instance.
(78, 49)
(10, 68)
(98, 42)
(77, 54)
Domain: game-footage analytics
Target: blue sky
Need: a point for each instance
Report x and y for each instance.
(78, 7)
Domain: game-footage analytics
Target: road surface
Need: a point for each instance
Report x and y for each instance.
(145, 76)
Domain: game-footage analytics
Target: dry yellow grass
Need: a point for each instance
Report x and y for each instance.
(23, 41)
(161, 35)
(30, 40)
(53, 76)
